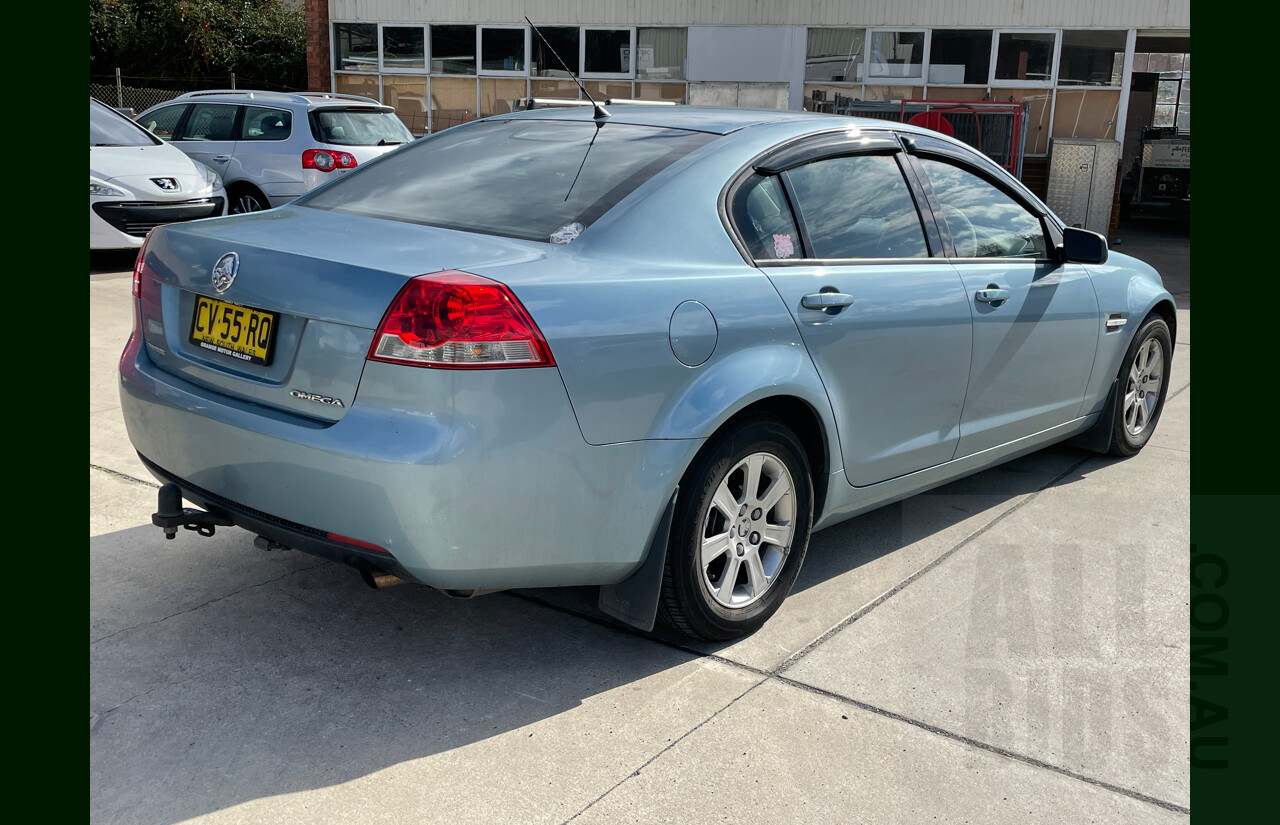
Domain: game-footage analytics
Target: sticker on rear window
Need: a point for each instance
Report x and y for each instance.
(567, 233)
(782, 246)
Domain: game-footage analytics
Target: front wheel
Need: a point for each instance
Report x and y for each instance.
(1144, 384)
(740, 534)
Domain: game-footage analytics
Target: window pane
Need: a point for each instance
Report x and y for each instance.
(502, 50)
(403, 47)
(210, 121)
(835, 55)
(830, 99)
(355, 84)
(1165, 113)
(453, 50)
(518, 178)
(602, 90)
(1086, 114)
(408, 96)
(661, 53)
(876, 92)
(960, 56)
(764, 220)
(163, 122)
(453, 101)
(561, 41)
(1091, 58)
(984, 222)
(265, 124)
(896, 54)
(606, 50)
(1037, 116)
(1024, 56)
(560, 89)
(858, 207)
(660, 91)
(499, 94)
(1167, 91)
(1184, 118)
(355, 47)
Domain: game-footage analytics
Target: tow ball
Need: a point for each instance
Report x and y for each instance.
(170, 515)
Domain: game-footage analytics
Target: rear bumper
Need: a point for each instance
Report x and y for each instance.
(489, 486)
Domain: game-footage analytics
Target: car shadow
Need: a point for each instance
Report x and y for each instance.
(111, 261)
(219, 691)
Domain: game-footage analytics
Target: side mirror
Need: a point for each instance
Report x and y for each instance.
(1083, 247)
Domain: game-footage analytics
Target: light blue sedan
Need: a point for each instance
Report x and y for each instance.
(650, 350)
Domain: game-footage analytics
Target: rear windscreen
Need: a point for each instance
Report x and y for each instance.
(537, 180)
(359, 127)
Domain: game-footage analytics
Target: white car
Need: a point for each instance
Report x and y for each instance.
(138, 182)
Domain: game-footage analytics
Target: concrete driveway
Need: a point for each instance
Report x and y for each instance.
(1010, 648)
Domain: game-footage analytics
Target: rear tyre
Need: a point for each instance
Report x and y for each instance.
(1143, 386)
(740, 533)
(246, 198)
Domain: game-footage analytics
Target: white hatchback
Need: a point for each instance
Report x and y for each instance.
(138, 182)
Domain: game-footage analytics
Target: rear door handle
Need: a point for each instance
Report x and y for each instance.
(826, 300)
(992, 296)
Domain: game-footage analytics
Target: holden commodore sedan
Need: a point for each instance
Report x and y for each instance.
(650, 350)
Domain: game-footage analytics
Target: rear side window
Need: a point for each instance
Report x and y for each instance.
(763, 218)
(537, 180)
(265, 124)
(858, 207)
(210, 121)
(163, 122)
(359, 127)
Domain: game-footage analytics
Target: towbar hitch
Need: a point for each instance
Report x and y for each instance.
(171, 515)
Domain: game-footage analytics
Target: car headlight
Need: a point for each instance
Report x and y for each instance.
(211, 178)
(97, 187)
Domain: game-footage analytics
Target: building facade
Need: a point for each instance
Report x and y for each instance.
(1095, 69)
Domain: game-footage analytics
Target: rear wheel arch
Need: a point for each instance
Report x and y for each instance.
(243, 189)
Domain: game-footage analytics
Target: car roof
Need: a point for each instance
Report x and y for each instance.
(312, 100)
(715, 120)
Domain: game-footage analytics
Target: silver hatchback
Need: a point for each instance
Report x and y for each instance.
(271, 147)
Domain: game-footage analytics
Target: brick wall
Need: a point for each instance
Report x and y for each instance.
(318, 51)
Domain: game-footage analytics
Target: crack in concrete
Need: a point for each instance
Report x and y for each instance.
(207, 603)
(123, 476)
(669, 746)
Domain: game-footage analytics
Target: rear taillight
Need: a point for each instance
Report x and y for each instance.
(137, 267)
(460, 321)
(326, 160)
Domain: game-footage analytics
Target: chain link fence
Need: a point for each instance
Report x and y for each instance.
(141, 93)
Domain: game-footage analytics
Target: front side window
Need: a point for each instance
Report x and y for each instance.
(163, 122)
(763, 218)
(983, 221)
(858, 207)
(210, 121)
(537, 180)
(266, 124)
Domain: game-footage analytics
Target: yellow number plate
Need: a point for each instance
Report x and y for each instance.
(239, 332)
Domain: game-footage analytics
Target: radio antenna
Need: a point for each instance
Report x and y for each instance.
(600, 112)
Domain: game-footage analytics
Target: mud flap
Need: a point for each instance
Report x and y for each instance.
(634, 600)
(1098, 437)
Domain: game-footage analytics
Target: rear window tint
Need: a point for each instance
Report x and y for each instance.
(519, 178)
(359, 127)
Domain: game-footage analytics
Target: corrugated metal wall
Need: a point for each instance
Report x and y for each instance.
(986, 13)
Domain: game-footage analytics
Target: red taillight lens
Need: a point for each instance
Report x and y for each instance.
(461, 321)
(327, 161)
(137, 267)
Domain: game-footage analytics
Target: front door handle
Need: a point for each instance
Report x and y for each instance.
(221, 158)
(826, 300)
(992, 296)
